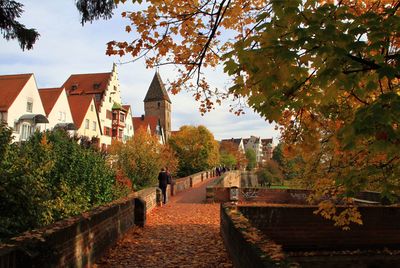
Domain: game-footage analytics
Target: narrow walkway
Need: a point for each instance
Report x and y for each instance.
(182, 233)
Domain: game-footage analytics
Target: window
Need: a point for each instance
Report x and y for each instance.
(109, 114)
(64, 116)
(122, 117)
(114, 116)
(86, 123)
(59, 116)
(97, 97)
(29, 106)
(94, 125)
(109, 99)
(91, 108)
(107, 131)
(26, 131)
(96, 85)
(158, 105)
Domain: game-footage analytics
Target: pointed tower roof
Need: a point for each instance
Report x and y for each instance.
(157, 90)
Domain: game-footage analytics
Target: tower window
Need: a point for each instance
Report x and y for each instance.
(158, 105)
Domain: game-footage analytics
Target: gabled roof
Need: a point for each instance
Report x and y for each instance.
(10, 87)
(49, 97)
(139, 123)
(79, 105)
(144, 122)
(87, 83)
(126, 107)
(157, 91)
(265, 142)
(235, 141)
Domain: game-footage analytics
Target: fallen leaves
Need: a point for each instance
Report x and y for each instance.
(184, 233)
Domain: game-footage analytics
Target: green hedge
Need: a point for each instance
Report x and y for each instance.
(49, 177)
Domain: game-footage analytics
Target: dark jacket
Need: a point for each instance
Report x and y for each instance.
(162, 179)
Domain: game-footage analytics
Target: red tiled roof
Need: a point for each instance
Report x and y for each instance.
(79, 105)
(126, 107)
(87, 83)
(143, 122)
(153, 122)
(49, 97)
(138, 123)
(10, 87)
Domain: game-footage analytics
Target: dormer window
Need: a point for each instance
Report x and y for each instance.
(96, 85)
(74, 87)
(29, 105)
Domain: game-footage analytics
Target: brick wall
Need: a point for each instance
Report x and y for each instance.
(185, 183)
(74, 242)
(298, 228)
(79, 241)
(242, 252)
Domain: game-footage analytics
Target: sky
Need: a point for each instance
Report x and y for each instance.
(66, 47)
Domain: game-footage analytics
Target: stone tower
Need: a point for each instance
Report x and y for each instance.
(157, 103)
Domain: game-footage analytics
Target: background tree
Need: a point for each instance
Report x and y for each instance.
(141, 158)
(270, 173)
(327, 72)
(251, 158)
(231, 156)
(195, 148)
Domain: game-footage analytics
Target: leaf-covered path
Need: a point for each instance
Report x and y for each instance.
(182, 233)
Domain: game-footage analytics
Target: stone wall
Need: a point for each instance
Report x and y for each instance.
(185, 183)
(301, 239)
(74, 242)
(79, 241)
(298, 228)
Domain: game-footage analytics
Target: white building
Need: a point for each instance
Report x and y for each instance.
(128, 130)
(85, 117)
(104, 88)
(20, 105)
(254, 143)
(56, 107)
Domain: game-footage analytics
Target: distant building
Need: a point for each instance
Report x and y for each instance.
(128, 130)
(21, 106)
(254, 143)
(158, 104)
(151, 124)
(56, 107)
(238, 143)
(84, 114)
(267, 148)
(104, 89)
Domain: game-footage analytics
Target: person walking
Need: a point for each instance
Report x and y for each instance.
(162, 183)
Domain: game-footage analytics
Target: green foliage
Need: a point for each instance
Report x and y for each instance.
(227, 160)
(141, 159)
(48, 178)
(251, 158)
(195, 148)
(270, 173)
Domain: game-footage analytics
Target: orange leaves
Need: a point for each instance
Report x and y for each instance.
(184, 233)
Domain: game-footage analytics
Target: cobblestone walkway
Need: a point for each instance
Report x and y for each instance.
(182, 233)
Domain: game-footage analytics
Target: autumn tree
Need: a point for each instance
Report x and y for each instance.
(141, 158)
(251, 158)
(231, 156)
(327, 72)
(196, 149)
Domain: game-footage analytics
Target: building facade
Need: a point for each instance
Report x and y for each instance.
(20, 105)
